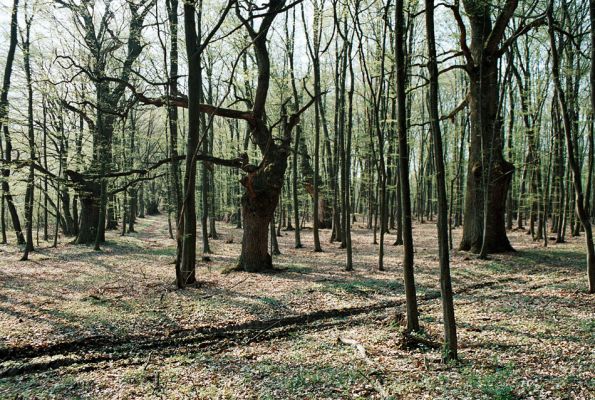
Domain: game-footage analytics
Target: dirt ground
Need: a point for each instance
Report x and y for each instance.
(75, 323)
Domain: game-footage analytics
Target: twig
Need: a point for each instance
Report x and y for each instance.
(268, 328)
(360, 348)
(362, 352)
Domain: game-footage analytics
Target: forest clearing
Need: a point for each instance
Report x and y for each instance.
(297, 199)
(82, 324)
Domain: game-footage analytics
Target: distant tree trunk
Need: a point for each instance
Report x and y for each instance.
(60, 173)
(347, 165)
(45, 178)
(399, 217)
(2, 218)
(375, 115)
(141, 200)
(205, 186)
(175, 187)
(274, 243)
(570, 148)
(509, 143)
(204, 189)
(314, 49)
(590, 162)
(298, 137)
(316, 181)
(213, 219)
(112, 222)
(132, 210)
(29, 194)
(78, 163)
(133, 191)
(209, 139)
(124, 214)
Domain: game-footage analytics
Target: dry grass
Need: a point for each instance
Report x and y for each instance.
(530, 334)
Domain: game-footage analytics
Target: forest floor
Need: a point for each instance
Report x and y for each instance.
(75, 323)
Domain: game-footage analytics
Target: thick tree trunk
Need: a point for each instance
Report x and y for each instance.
(486, 149)
(486, 169)
(89, 217)
(89, 194)
(258, 209)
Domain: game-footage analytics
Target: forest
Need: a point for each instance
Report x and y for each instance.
(297, 199)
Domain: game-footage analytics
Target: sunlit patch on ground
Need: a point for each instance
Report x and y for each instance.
(528, 333)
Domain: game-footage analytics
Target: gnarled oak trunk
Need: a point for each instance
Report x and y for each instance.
(90, 203)
(89, 194)
(263, 188)
(487, 169)
(258, 212)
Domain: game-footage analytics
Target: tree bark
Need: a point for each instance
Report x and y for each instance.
(486, 160)
(448, 314)
(29, 193)
(408, 271)
(570, 148)
(12, 210)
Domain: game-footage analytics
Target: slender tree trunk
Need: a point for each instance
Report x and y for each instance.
(296, 203)
(175, 188)
(511, 115)
(274, 243)
(2, 220)
(411, 298)
(571, 151)
(314, 54)
(347, 168)
(448, 314)
(12, 210)
(298, 137)
(29, 194)
(45, 178)
(188, 211)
